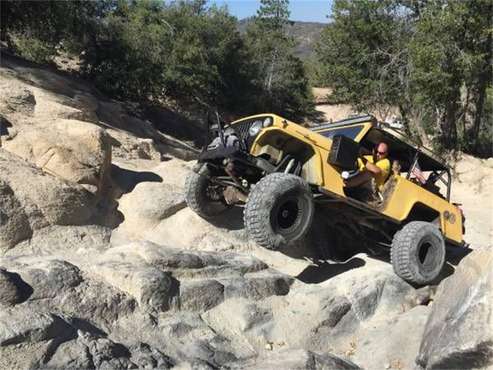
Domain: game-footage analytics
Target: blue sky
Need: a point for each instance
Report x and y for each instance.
(301, 10)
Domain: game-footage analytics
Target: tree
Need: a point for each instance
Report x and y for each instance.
(46, 24)
(428, 58)
(208, 61)
(280, 74)
(451, 55)
(126, 53)
(183, 52)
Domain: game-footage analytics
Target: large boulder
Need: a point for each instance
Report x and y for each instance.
(162, 278)
(458, 334)
(79, 105)
(147, 205)
(55, 285)
(32, 200)
(150, 196)
(21, 324)
(72, 150)
(361, 314)
(50, 278)
(152, 288)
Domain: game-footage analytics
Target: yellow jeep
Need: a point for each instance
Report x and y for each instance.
(280, 170)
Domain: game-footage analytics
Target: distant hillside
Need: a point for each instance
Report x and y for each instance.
(306, 35)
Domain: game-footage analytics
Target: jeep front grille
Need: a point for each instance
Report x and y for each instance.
(241, 130)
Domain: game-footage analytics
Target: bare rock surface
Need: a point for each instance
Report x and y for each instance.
(72, 150)
(459, 333)
(103, 266)
(32, 200)
(16, 98)
(297, 360)
(472, 189)
(64, 241)
(25, 325)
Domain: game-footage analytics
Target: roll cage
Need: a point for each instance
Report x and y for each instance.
(413, 157)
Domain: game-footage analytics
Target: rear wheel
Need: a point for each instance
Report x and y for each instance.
(418, 252)
(279, 210)
(201, 194)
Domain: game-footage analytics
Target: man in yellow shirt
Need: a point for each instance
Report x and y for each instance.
(376, 166)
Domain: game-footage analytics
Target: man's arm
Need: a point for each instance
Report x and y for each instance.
(372, 168)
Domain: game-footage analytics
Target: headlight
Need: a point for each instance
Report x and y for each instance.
(267, 122)
(255, 128)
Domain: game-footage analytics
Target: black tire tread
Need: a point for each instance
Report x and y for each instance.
(193, 193)
(400, 253)
(255, 214)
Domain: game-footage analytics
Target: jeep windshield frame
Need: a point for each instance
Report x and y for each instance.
(353, 128)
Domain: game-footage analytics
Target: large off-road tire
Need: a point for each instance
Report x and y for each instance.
(418, 252)
(197, 195)
(279, 209)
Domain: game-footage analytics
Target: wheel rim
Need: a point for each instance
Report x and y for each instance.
(287, 214)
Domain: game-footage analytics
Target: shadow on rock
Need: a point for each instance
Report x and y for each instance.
(85, 326)
(453, 257)
(232, 219)
(456, 254)
(176, 125)
(127, 180)
(4, 124)
(13, 290)
(326, 270)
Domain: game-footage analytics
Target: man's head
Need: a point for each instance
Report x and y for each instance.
(382, 150)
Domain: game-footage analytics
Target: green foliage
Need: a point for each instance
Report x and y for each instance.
(50, 21)
(32, 48)
(146, 50)
(360, 53)
(126, 54)
(179, 52)
(430, 59)
(280, 76)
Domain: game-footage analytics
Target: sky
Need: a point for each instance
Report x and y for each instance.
(301, 10)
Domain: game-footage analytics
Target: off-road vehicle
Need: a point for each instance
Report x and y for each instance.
(279, 170)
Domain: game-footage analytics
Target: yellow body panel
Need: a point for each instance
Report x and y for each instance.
(404, 197)
(325, 175)
(407, 194)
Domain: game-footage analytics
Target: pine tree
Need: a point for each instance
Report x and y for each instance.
(281, 75)
(430, 59)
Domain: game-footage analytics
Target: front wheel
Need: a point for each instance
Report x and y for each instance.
(279, 210)
(418, 252)
(203, 196)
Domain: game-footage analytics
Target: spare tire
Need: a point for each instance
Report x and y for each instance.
(199, 195)
(279, 209)
(418, 252)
